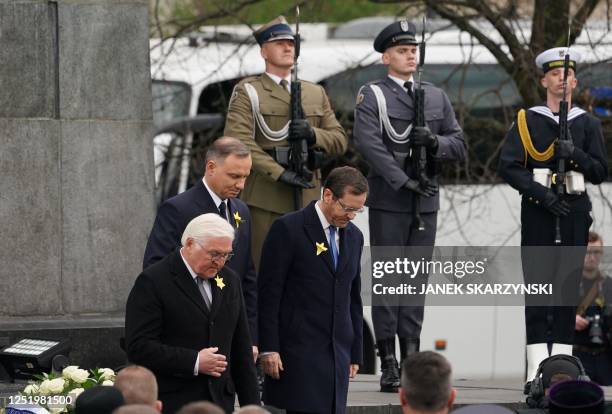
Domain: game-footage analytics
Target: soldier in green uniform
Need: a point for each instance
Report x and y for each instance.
(259, 114)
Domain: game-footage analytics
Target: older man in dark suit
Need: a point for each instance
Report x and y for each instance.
(185, 321)
(228, 163)
(310, 311)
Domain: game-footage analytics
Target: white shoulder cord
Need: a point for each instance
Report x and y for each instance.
(384, 118)
(261, 122)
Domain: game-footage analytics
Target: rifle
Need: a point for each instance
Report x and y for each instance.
(559, 177)
(419, 121)
(298, 154)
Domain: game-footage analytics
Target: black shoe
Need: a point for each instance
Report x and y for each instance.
(390, 379)
(527, 388)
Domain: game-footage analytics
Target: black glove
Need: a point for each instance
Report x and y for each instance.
(425, 189)
(564, 148)
(291, 178)
(299, 129)
(422, 136)
(555, 205)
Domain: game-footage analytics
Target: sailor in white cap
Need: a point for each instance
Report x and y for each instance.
(529, 162)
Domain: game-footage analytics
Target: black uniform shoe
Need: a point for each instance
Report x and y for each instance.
(389, 380)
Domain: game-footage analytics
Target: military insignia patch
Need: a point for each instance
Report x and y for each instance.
(359, 99)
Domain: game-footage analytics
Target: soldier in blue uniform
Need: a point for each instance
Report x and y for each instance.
(528, 160)
(385, 135)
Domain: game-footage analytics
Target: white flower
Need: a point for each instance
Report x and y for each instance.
(108, 382)
(75, 374)
(66, 371)
(57, 410)
(106, 373)
(54, 386)
(75, 393)
(31, 389)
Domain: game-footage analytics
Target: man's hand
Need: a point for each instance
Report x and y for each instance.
(272, 364)
(564, 148)
(555, 205)
(255, 353)
(426, 190)
(581, 323)
(299, 129)
(422, 136)
(291, 178)
(353, 369)
(211, 363)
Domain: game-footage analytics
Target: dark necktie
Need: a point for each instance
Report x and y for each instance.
(408, 86)
(223, 210)
(332, 246)
(284, 84)
(203, 292)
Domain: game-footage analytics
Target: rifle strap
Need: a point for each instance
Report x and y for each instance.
(589, 298)
(383, 117)
(266, 131)
(528, 146)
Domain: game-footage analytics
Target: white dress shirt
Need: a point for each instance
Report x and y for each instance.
(277, 79)
(216, 199)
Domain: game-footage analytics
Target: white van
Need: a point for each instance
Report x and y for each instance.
(194, 77)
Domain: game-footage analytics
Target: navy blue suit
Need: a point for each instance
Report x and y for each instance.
(172, 219)
(309, 313)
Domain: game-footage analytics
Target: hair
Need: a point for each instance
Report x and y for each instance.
(426, 381)
(252, 409)
(595, 237)
(223, 147)
(343, 179)
(207, 226)
(137, 384)
(200, 407)
(136, 409)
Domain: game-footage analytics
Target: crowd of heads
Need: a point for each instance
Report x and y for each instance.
(135, 391)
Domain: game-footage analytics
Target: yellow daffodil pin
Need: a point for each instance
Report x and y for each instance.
(237, 219)
(320, 248)
(219, 281)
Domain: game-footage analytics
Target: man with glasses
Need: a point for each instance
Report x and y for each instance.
(310, 311)
(228, 163)
(591, 340)
(185, 320)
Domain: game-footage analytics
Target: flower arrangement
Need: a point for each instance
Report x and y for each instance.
(58, 393)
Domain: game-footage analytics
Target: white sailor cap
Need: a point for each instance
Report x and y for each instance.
(553, 58)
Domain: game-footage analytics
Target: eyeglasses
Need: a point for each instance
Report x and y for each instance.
(349, 210)
(216, 255)
(594, 252)
(219, 255)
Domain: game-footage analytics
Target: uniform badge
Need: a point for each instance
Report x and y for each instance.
(359, 99)
(404, 25)
(561, 53)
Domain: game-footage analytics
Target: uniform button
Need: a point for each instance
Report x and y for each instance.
(537, 201)
(212, 323)
(530, 199)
